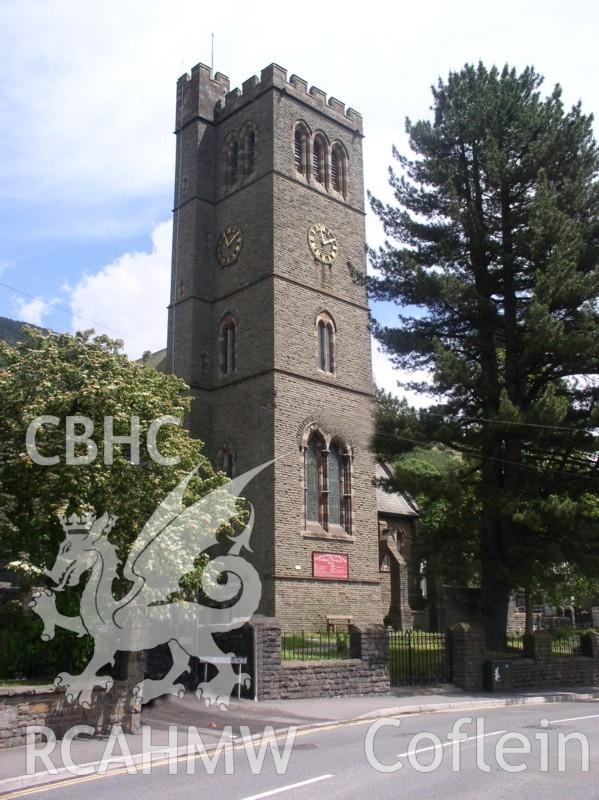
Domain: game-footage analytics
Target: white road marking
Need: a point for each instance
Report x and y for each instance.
(445, 744)
(287, 788)
(574, 719)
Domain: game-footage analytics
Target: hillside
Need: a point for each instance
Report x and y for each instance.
(10, 329)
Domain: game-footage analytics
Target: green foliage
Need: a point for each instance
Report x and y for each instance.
(23, 653)
(64, 375)
(444, 485)
(569, 584)
(493, 246)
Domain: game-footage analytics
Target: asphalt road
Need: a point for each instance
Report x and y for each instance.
(331, 762)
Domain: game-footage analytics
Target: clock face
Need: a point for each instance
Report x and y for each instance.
(323, 243)
(229, 244)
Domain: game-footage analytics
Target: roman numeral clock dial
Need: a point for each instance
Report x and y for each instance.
(229, 244)
(323, 243)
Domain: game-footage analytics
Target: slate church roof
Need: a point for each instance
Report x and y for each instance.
(397, 504)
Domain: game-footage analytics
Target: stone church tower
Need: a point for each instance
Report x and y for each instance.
(270, 330)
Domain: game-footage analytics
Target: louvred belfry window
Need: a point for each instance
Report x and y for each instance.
(301, 149)
(250, 152)
(318, 161)
(339, 169)
(232, 163)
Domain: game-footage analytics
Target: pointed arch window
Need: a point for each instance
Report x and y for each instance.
(231, 162)
(335, 479)
(226, 461)
(339, 169)
(314, 480)
(326, 344)
(228, 344)
(250, 152)
(301, 150)
(327, 485)
(319, 160)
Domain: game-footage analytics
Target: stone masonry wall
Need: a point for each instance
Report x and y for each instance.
(559, 671)
(539, 669)
(24, 706)
(275, 290)
(365, 673)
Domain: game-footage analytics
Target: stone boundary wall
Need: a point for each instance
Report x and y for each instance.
(366, 672)
(22, 706)
(559, 671)
(538, 669)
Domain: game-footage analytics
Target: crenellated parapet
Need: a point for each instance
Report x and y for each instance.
(199, 94)
(207, 96)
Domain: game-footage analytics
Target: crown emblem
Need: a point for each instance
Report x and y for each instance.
(87, 523)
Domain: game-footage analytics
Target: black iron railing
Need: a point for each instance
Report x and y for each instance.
(314, 646)
(514, 648)
(563, 644)
(418, 657)
(569, 645)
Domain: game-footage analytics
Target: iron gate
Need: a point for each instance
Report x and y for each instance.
(418, 657)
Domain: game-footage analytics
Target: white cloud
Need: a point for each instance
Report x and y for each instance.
(33, 311)
(127, 299)
(87, 96)
(387, 377)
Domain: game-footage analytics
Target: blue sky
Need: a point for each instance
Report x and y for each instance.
(87, 108)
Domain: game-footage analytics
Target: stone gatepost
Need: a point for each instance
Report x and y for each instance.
(468, 654)
(537, 645)
(267, 650)
(405, 612)
(370, 644)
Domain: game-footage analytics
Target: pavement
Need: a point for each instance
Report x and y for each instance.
(168, 719)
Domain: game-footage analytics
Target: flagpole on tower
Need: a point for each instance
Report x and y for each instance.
(212, 52)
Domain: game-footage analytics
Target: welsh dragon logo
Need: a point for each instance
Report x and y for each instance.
(152, 613)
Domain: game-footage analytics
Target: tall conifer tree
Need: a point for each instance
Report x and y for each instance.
(493, 245)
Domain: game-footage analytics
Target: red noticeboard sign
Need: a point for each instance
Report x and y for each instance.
(334, 566)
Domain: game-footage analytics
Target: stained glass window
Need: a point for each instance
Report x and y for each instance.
(313, 459)
(334, 485)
